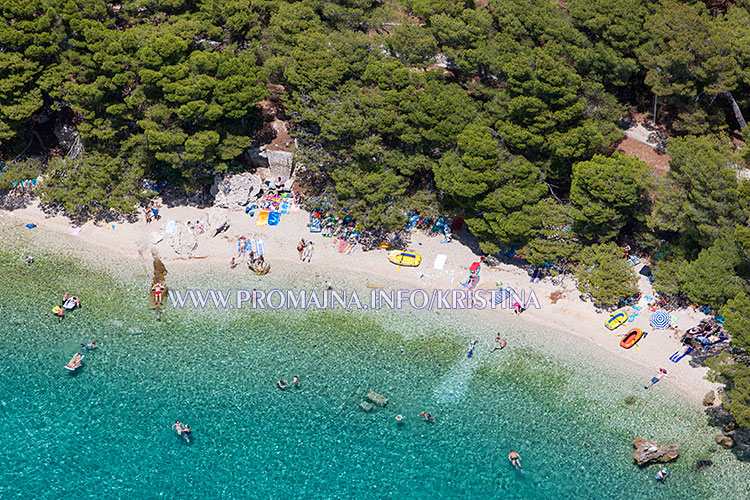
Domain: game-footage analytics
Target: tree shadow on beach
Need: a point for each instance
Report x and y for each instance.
(697, 358)
(10, 200)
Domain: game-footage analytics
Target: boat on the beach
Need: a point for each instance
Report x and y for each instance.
(404, 258)
(75, 363)
(631, 338)
(617, 319)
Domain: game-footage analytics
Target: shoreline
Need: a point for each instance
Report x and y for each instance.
(567, 315)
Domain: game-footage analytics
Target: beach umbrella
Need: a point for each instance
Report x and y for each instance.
(474, 266)
(660, 320)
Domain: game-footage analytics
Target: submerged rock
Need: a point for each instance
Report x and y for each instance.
(709, 398)
(647, 452)
(725, 441)
(376, 399)
(366, 406)
(702, 464)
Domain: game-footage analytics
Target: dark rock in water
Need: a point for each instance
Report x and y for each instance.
(725, 441)
(731, 426)
(709, 398)
(702, 464)
(647, 452)
(630, 400)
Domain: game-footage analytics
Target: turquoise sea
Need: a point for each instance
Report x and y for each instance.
(104, 432)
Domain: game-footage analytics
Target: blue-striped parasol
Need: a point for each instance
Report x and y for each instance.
(660, 320)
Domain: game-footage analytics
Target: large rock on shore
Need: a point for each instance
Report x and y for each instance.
(709, 398)
(182, 240)
(730, 426)
(234, 191)
(647, 452)
(217, 221)
(725, 441)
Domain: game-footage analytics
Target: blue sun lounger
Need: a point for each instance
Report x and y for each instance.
(674, 358)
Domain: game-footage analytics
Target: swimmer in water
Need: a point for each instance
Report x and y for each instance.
(186, 432)
(515, 460)
(472, 343)
(89, 346)
(399, 418)
(178, 427)
(427, 417)
(283, 384)
(295, 380)
(500, 344)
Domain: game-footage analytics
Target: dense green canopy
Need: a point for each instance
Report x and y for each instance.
(503, 112)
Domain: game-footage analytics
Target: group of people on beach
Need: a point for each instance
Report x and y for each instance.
(305, 249)
(151, 212)
(195, 227)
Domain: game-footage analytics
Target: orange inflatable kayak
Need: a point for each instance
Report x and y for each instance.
(632, 337)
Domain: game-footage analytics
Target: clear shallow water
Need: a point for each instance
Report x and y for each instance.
(105, 431)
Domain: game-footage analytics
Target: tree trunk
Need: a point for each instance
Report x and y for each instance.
(736, 109)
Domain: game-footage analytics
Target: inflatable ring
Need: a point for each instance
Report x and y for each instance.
(56, 309)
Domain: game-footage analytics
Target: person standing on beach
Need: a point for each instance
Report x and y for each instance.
(301, 248)
(308, 251)
(29, 259)
(241, 247)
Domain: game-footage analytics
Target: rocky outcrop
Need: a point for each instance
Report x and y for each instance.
(234, 191)
(279, 163)
(730, 426)
(376, 399)
(647, 452)
(182, 241)
(709, 398)
(725, 441)
(366, 406)
(217, 221)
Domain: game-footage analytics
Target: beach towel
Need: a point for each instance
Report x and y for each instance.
(31, 226)
(295, 208)
(274, 218)
(170, 227)
(286, 207)
(440, 262)
(342, 245)
(315, 224)
(251, 245)
(74, 230)
(261, 247)
(262, 218)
